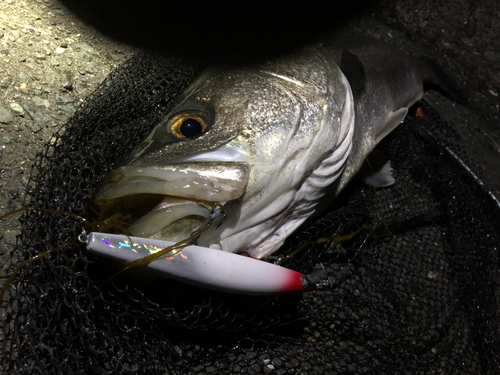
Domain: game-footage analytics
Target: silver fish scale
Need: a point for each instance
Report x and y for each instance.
(269, 100)
(253, 103)
(279, 113)
(310, 69)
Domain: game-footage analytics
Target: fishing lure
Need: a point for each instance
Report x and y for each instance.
(202, 266)
(183, 261)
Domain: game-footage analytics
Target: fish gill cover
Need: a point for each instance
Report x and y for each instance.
(415, 293)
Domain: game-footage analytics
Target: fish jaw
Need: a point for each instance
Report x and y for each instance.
(188, 193)
(205, 181)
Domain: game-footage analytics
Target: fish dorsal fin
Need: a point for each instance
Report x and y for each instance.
(354, 70)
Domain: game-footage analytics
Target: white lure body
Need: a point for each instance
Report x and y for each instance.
(201, 266)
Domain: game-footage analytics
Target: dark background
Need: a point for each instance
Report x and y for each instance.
(218, 31)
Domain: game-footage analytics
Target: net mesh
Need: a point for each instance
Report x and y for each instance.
(414, 292)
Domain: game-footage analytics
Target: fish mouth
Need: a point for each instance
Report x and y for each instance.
(172, 201)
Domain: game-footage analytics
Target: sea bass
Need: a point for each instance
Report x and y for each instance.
(269, 146)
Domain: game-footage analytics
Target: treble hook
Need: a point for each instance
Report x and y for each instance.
(217, 211)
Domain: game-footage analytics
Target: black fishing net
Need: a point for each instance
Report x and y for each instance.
(412, 269)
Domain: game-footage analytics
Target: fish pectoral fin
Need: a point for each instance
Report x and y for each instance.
(382, 178)
(393, 120)
(354, 71)
(377, 170)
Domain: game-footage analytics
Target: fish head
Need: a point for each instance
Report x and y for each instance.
(241, 141)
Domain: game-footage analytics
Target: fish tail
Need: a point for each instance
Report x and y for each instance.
(437, 80)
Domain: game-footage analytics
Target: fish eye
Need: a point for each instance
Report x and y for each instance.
(187, 126)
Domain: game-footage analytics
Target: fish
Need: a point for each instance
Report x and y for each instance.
(268, 146)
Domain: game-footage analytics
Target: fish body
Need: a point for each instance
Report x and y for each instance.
(270, 144)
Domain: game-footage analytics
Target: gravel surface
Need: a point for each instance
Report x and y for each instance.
(50, 61)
